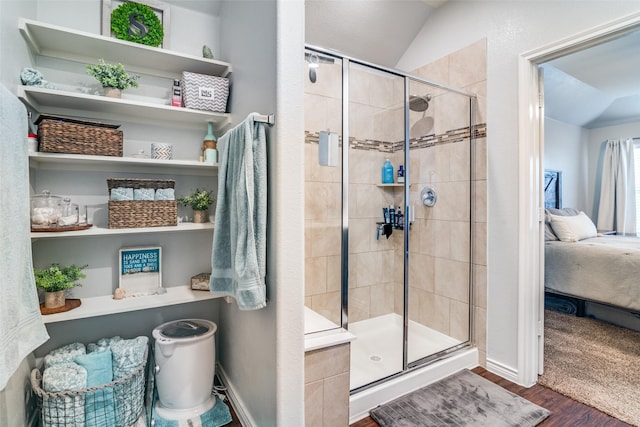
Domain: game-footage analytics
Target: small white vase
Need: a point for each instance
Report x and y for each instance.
(112, 92)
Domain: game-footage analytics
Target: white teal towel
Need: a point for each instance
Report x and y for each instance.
(238, 261)
(21, 326)
(99, 406)
(59, 409)
(121, 193)
(144, 194)
(127, 356)
(66, 353)
(165, 194)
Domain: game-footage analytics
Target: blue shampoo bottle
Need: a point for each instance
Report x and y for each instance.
(387, 172)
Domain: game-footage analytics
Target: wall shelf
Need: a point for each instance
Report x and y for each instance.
(89, 163)
(390, 185)
(104, 305)
(59, 102)
(100, 231)
(80, 46)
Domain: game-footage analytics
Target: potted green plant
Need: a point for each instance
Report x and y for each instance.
(199, 201)
(113, 77)
(55, 280)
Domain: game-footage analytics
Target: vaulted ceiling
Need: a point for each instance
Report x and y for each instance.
(595, 87)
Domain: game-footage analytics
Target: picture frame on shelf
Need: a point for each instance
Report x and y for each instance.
(140, 270)
(160, 9)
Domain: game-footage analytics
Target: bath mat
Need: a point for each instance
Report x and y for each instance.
(462, 399)
(217, 416)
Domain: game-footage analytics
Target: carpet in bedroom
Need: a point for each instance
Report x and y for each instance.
(593, 362)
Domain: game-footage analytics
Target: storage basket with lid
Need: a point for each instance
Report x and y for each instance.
(59, 134)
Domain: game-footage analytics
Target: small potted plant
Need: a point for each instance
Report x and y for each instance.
(113, 77)
(199, 201)
(55, 280)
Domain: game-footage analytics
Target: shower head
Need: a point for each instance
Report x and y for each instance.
(419, 103)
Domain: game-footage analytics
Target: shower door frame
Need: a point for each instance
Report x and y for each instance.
(344, 256)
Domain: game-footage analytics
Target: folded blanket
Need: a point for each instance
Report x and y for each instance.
(99, 407)
(63, 410)
(121, 193)
(127, 356)
(64, 354)
(165, 194)
(102, 344)
(144, 194)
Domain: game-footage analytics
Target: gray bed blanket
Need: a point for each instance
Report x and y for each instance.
(602, 269)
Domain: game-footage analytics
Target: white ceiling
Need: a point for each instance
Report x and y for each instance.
(376, 31)
(595, 87)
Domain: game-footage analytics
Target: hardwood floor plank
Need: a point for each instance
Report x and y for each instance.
(565, 412)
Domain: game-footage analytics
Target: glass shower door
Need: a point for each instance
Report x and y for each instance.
(375, 242)
(439, 273)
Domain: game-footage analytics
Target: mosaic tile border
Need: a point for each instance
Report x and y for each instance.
(451, 136)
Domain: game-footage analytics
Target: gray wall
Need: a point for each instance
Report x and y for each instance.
(565, 149)
(262, 351)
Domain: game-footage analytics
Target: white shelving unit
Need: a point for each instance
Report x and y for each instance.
(71, 45)
(101, 231)
(104, 305)
(54, 101)
(81, 162)
(80, 46)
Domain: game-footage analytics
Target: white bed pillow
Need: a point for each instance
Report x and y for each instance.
(573, 228)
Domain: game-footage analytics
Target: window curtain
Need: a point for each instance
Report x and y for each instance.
(617, 207)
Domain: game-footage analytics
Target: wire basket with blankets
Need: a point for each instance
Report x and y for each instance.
(100, 385)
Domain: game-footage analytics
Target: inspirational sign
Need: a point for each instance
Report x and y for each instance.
(140, 270)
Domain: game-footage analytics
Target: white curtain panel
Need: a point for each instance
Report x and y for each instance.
(617, 207)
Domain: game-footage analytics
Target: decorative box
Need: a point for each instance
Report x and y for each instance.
(200, 282)
(203, 92)
(58, 134)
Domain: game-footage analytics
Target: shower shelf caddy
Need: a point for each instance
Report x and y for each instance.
(67, 44)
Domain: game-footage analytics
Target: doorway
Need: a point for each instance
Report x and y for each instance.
(531, 203)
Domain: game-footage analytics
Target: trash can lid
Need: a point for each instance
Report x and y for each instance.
(184, 329)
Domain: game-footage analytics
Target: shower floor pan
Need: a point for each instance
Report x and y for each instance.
(377, 350)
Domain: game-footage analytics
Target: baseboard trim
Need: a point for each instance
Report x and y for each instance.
(504, 371)
(245, 419)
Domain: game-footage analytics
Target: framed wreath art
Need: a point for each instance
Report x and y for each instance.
(141, 21)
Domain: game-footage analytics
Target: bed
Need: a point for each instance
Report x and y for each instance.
(602, 269)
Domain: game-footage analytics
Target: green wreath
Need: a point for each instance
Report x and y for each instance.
(137, 23)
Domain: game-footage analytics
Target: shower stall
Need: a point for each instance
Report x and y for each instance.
(391, 262)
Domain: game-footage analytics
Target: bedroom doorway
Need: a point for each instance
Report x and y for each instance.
(531, 221)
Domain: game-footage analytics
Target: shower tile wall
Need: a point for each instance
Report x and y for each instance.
(323, 198)
(439, 237)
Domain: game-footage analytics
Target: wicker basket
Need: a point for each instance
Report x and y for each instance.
(58, 134)
(119, 403)
(142, 213)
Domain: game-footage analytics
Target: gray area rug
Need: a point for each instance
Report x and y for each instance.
(462, 399)
(593, 362)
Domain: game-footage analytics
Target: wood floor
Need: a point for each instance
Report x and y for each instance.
(564, 411)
